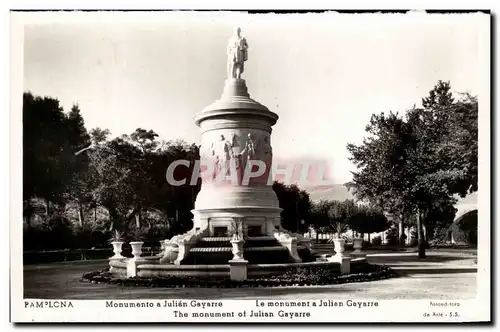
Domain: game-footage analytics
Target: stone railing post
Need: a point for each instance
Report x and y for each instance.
(131, 268)
(290, 243)
(132, 264)
(345, 263)
(238, 269)
(184, 247)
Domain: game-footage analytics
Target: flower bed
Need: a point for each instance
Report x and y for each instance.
(302, 276)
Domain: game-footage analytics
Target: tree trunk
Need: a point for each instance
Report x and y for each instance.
(28, 213)
(137, 220)
(113, 217)
(401, 239)
(369, 241)
(424, 230)
(421, 236)
(95, 216)
(80, 215)
(27, 220)
(317, 236)
(47, 210)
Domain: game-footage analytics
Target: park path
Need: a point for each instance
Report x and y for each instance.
(442, 275)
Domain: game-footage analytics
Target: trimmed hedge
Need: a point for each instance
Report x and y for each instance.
(303, 276)
(38, 257)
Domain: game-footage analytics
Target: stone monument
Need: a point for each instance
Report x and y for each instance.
(235, 136)
(237, 231)
(248, 125)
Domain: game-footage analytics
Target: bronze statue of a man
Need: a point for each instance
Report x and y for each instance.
(237, 54)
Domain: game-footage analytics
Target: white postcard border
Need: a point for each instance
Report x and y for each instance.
(95, 310)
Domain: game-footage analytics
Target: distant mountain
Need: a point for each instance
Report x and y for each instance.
(336, 192)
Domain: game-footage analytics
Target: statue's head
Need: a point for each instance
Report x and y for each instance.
(249, 136)
(222, 137)
(238, 31)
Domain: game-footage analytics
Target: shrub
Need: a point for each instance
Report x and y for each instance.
(155, 233)
(60, 234)
(377, 240)
(82, 237)
(392, 236)
(403, 238)
(441, 235)
(413, 237)
(347, 238)
(306, 255)
(99, 239)
(468, 225)
(414, 233)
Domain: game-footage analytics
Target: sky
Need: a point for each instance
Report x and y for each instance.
(323, 74)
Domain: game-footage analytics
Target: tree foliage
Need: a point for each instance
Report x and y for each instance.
(368, 219)
(332, 216)
(296, 206)
(50, 139)
(68, 168)
(419, 163)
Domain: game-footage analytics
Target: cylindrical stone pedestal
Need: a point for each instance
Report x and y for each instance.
(236, 161)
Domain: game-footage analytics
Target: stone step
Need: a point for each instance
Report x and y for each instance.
(250, 242)
(226, 249)
(262, 238)
(208, 258)
(228, 239)
(216, 239)
(210, 249)
(275, 248)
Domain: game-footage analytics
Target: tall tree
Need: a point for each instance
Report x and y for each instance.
(382, 178)
(145, 139)
(320, 217)
(110, 171)
(368, 219)
(79, 186)
(416, 163)
(444, 156)
(47, 153)
(296, 207)
(99, 135)
(339, 214)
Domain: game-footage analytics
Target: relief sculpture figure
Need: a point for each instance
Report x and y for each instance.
(249, 150)
(223, 156)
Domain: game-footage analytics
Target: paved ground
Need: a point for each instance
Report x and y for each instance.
(443, 274)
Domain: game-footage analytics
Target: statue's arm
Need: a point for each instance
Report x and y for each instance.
(244, 149)
(228, 148)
